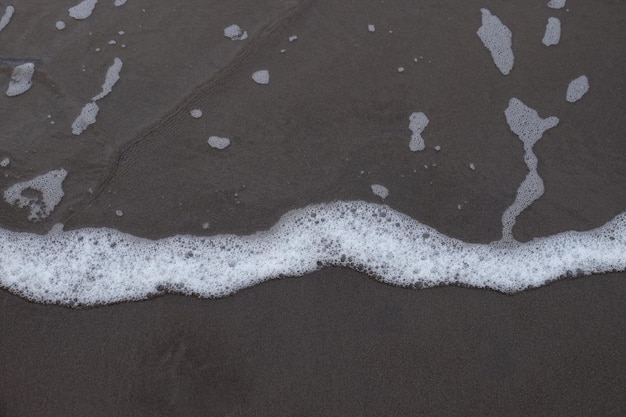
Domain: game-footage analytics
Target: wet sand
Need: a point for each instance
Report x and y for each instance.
(332, 121)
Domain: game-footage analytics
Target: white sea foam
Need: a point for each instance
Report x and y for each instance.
(6, 17)
(21, 79)
(111, 78)
(86, 118)
(553, 32)
(196, 113)
(417, 124)
(5, 162)
(218, 142)
(102, 266)
(371, 28)
(529, 127)
(119, 2)
(577, 89)
(497, 38)
(50, 187)
(60, 25)
(380, 191)
(235, 33)
(261, 77)
(556, 4)
(83, 9)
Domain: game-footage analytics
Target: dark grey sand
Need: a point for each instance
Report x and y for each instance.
(332, 121)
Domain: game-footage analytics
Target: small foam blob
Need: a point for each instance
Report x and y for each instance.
(235, 33)
(472, 167)
(21, 79)
(112, 42)
(497, 38)
(50, 187)
(60, 25)
(552, 35)
(86, 118)
(83, 9)
(5, 162)
(293, 38)
(261, 77)
(437, 148)
(218, 142)
(119, 3)
(417, 124)
(380, 191)
(196, 113)
(556, 4)
(371, 28)
(6, 17)
(119, 213)
(577, 88)
(400, 69)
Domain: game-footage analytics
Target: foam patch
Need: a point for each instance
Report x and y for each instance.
(497, 38)
(556, 4)
(552, 35)
(50, 187)
(111, 78)
(380, 191)
(417, 124)
(83, 9)
(235, 33)
(6, 17)
(218, 143)
(577, 89)
(21, 79)
(86, 118)
(261, 77)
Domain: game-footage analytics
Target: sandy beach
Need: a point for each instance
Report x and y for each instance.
(332, 120)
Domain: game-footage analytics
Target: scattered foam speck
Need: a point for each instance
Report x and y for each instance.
(577, 89)
(556, 4)
(83, 9)
(497, 39)
(119, 213)
(400, 69)
(293, 38)
(553, 32)
(50, 187)
(235, 33)
(6, 17)
(417, 124)
(60, 25)
(196, 113)
(21, 79)
(529, 127)
(119, 2)
(5, 162)
(86, 118)
(380, 191)
(261, 77)
(218, 142)
(371, 28)
(472, 167)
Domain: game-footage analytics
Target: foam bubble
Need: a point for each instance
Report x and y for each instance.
(86, 118)
(261, 77)
(21, 79)
(50, 187)
(380, 190)
(529, 127)
(60, 25)
(553, 32)
(556, 4)
(102, 266)
(293, 38)
(196, 113)
(577, 89)
(6, 17)
(5, 162)
(371, 28)
(218, 143)
(119, 213)
(83, 9)
(497, 39)
(235, 33)
(400, 69)
(417, 124)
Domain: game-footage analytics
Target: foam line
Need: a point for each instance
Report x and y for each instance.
(102, 266)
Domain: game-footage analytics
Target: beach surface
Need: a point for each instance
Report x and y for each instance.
(332, 121)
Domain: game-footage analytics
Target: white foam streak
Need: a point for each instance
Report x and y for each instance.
(101, 266)
(497, 38)
(577, 89)
(112, 77)
(552, 35)
(6, 17)
(82, 10)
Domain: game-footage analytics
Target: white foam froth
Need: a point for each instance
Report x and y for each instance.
(556, 4)
(60, 25)
(380, 190)
(497, 39)
(119, 2)
(235, 33)
(112, 77)
(218, 143)
(5, 162)
(196, 113)
(86, 117)
(50, 187)
(21, 79)
(577, 89)
(6, 17)
(103, 266)
(293, 38)
(261, 77)
(553, 32)
(371, 28)
(417, 124)
(529, 127)
(83, 9)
